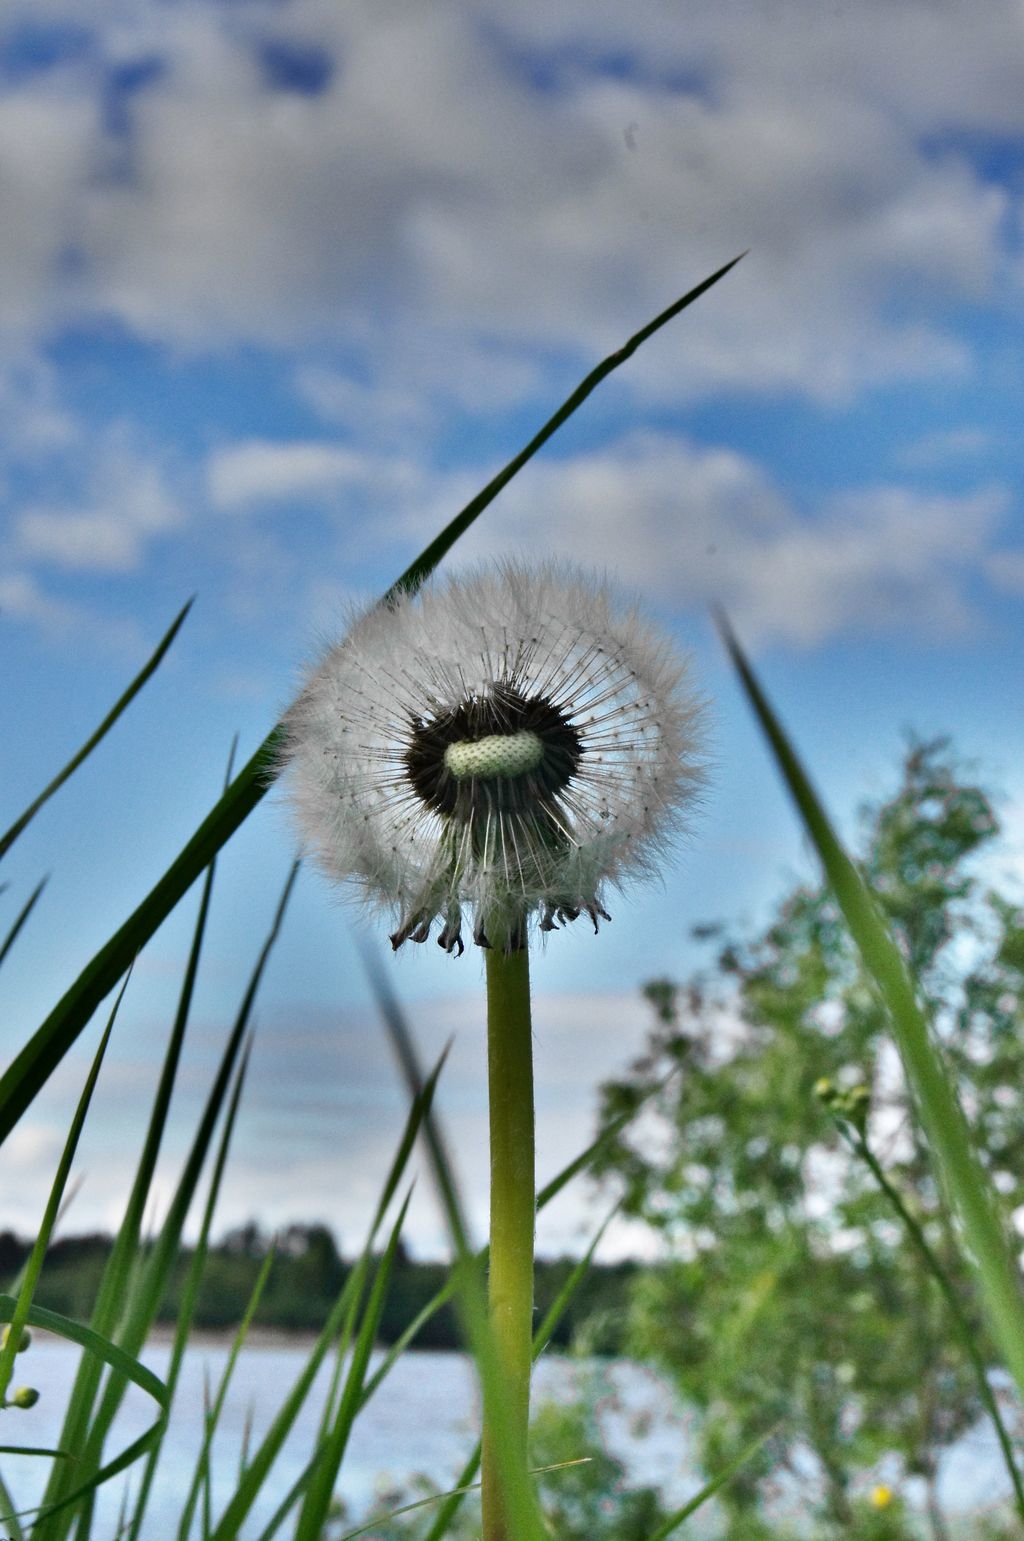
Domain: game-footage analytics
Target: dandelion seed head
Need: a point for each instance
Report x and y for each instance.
(509, 744)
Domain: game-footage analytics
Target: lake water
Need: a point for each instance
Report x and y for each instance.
(423, 1419)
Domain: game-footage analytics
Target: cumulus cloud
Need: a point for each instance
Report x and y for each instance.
(25, 601)
(489, 174)
(694, 525)
(259, 472)
(125, 504)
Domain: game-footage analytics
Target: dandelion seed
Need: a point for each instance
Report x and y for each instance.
(510, 744)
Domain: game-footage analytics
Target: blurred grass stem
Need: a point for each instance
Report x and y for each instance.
(513, 1209)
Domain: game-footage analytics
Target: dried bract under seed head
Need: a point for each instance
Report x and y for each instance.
(508, 743)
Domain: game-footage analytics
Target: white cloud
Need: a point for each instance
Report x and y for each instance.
(947, 446)
(261, 472)
(124, 505)
(1006, 570)
(694, 525)
(432, 193)
(25, 601)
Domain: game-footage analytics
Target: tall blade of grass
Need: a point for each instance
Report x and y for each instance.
(147, 1291)
(190, 1293)
(116, 1283)
(116, 1280)
(8, 839)
(34, 1265)
(340, 1410)
(520, 1500)
(251, 1482)
(216, 1403)
(11, 1520)
(545, 1195)
(317, 1502)
(424, 564)
(120, 1362)
(465, 1481)
(353, 1291)
(853, 1131)
(27, 908)
(445, 1294)
(966, 1185)
(709, 1490)
(44, 1051)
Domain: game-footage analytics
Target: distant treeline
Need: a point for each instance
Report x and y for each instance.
(305, 1277)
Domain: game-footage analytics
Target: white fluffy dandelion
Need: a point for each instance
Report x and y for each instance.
(509, 743)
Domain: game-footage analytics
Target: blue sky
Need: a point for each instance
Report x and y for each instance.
(282, 284)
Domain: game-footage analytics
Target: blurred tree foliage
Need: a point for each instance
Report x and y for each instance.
(793, 1297)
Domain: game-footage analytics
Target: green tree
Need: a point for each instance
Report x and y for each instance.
(794, 1297)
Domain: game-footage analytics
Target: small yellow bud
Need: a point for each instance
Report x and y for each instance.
(25, 1396)
(824, 1089)
(881, 1496)
(26, 1339)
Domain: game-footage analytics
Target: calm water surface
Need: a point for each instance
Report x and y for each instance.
(423, 1419)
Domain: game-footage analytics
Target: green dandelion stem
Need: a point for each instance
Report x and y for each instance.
(513, 1206)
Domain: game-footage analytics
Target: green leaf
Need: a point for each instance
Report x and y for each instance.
(424, 564)
(190, 1293)
(967, 1187)
(33, 1267)
(216, 1403)
(317, 1503)
(124, 1364)
(710, 1489)
(253, 1477)
(149, 1285)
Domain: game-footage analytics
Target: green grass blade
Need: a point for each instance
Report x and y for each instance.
(27, 908)
(251, 1481)
(31, 1068)
(148, 1289)
(44, 1051)
(254, 1476)
(465, 1482)
(317, 1502)
(966, 1185)
(116, 1279)
(11, 1521)
(438, 548)
(8, 839)
(855, 1137)
(524, 1517)
(123, 1364)
(707, 1492)
(213, 1411)
(354, 1287)
(34, 1265)
(190, 1293)
(63, 1455)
